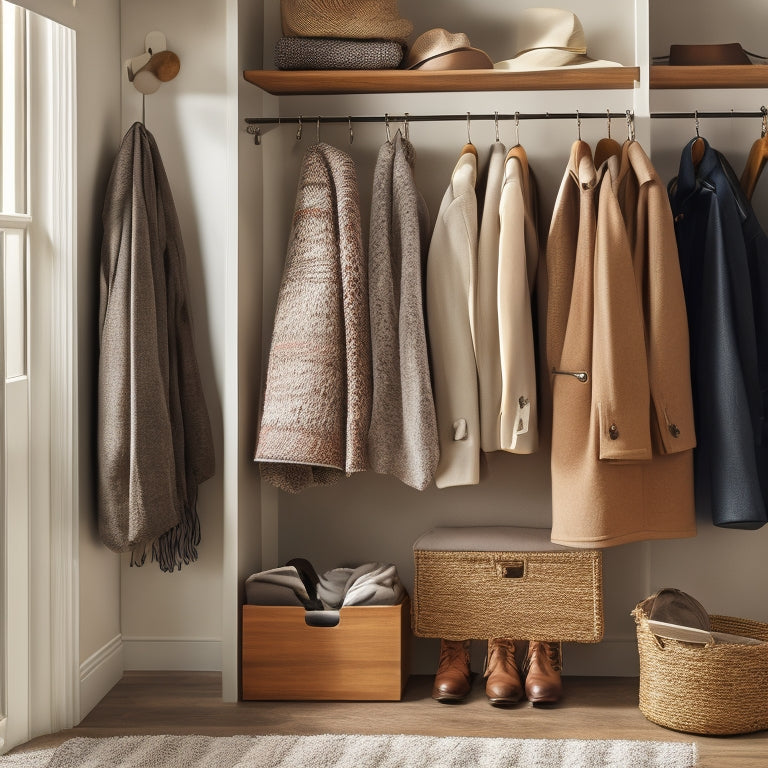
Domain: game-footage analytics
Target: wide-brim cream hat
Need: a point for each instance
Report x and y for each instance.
(348, 19)
(551, 38)
(438, 49)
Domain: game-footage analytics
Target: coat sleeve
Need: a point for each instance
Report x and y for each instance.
(620, 391)
(519, 411)
(667, 324)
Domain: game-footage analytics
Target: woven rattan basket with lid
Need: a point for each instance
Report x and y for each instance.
(716, 689)
(499, 581)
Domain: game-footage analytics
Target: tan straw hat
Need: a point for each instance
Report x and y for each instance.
(550, 38)
(440, 49)
(348, 19)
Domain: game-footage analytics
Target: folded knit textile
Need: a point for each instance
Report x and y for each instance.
(367, 584)
(402, 440)
(154, 441)
(317, 398)
(336, 53)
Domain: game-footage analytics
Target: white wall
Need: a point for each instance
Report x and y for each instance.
(173, 621)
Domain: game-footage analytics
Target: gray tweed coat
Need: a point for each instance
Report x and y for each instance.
(154, 437)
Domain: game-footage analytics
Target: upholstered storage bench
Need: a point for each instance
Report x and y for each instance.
(363, 657)
(483, 582)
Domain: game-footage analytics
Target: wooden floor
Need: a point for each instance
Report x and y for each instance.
(591, 708)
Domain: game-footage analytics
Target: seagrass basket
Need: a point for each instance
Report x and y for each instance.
(716, 689)
(484, 582)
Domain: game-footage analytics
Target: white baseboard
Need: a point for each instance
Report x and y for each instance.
(200, 654)
(99, 673)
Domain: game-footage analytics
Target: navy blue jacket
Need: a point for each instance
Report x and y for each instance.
(724, 264)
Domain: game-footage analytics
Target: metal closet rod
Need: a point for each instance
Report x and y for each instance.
(309, 119)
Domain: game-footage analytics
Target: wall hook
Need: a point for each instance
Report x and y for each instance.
(578, 124)
(764, 126)
(351, 132)
(386, 126)
(406, 127)
(298, 132)
(608, 113)
(696, 119)
(155, 66)
(517, 128)
(317, 130)
(496, 125)
(469, 138)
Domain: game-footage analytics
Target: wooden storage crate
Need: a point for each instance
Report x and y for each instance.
(363, 658)
(499, 581)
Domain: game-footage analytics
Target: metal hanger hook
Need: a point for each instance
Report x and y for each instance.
(764, 126)
(469, 138)
(630, 126)
(317, 130)
(517, 128)
(386, 125)
(406, 127)
(608, 113)
(351, 132)
(696, 119)
(496, 124)
(298, 132)
(578, 124)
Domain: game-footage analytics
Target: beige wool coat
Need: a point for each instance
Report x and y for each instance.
(617, 353)
(451, 295)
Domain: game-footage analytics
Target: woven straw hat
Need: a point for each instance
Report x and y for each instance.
(349, 19)
(550, 38)
(440, 49)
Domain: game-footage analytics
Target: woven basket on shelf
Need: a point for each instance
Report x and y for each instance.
(715, 689)
(505, 582)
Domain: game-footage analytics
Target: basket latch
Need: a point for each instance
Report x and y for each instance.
(512, 569)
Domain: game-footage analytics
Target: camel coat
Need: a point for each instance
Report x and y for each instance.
(617, 351)
(451, 290)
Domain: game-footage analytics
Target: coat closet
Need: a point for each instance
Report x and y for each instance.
(370, 517)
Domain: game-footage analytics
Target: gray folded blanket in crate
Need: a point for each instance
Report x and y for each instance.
(368, 584)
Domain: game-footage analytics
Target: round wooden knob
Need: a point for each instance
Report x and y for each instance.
(164, 65)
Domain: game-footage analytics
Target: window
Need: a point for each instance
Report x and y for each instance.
(38, 659)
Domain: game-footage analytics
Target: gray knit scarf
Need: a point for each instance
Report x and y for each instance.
(317, 398)
(154, 442)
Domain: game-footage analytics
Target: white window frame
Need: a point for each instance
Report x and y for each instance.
(39, 613)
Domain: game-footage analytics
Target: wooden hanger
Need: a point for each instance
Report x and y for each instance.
(698, 146)
(758, 154)
(519, 152)
(469, 147)
(607, 147)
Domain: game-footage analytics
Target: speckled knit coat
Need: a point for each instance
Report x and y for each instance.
(317, 399)
(403, 436)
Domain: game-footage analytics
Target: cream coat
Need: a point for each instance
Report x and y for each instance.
(518, 261)
(451, 290)
(617, 350)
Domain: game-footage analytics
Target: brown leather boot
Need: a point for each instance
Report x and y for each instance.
(542, 672)
(503, 684)
(452, 681)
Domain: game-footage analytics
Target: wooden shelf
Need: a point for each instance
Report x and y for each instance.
(734, 76)
(283, 83)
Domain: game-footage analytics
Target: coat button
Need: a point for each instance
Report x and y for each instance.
(613, 432)
(673, 430)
